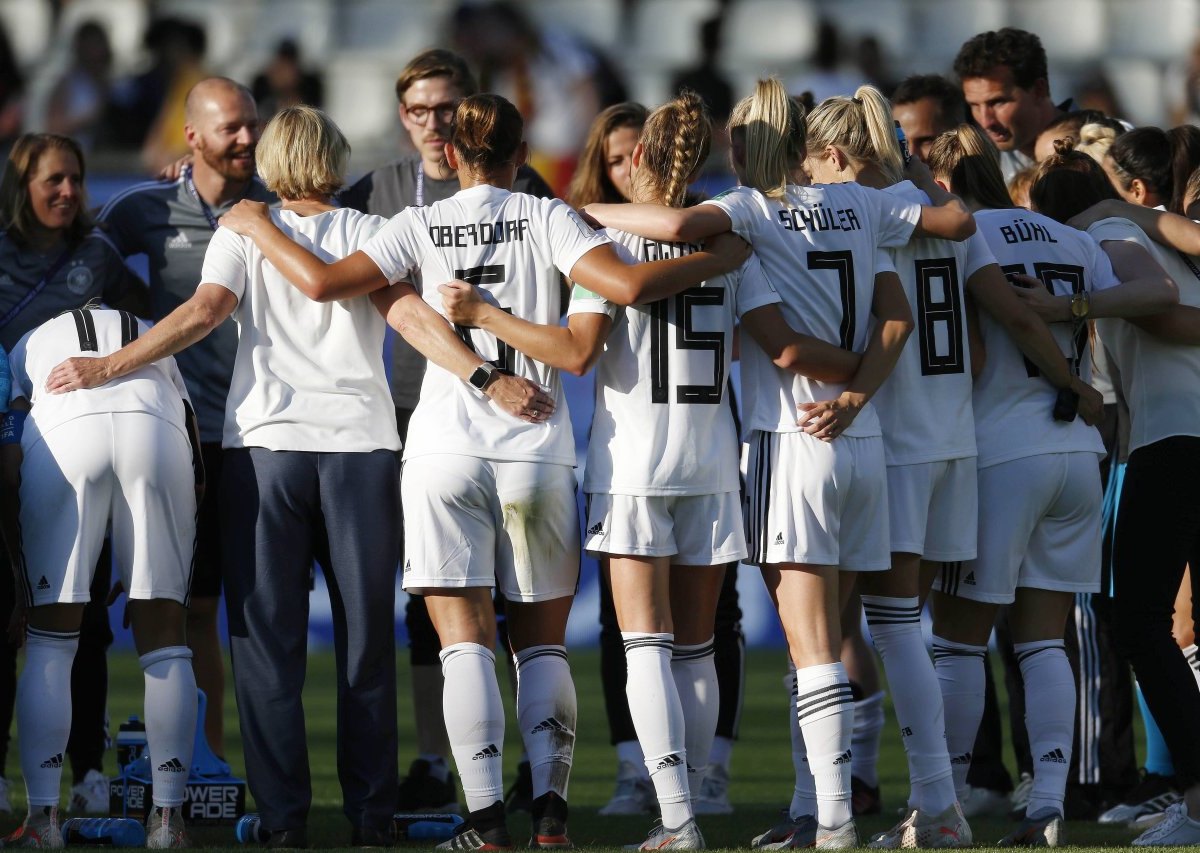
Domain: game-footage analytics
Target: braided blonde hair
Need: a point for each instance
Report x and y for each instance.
(675, 143)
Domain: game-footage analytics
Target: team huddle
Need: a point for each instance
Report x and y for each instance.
(917, 419)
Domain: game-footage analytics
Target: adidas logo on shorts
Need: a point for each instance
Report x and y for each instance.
(52, 763)
(844, 758)
(172, 766)
(43, 583)
(969, 580)
(596, 529)
(488, 751)
(550, 724)
(671, 760)
(778, 538)
(1054, 756)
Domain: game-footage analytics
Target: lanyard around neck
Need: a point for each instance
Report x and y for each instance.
(204, 208)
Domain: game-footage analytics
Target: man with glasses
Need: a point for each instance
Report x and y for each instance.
(429, 89)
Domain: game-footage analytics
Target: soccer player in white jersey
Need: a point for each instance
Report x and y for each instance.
(664, 508)
(813, 504)
(489, 499)
(1039, 484)
(122, 455)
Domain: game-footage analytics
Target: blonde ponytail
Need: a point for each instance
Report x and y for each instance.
(774, 130)
(861, 128)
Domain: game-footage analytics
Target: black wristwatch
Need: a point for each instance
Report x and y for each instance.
(484, 375)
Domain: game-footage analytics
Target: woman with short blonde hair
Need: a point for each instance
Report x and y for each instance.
(302, 154)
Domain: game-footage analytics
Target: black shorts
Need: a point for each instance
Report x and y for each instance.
(206, 576)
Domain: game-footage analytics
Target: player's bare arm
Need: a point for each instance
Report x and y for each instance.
(574, 347)
(802, 354)
(188, 323)
(828, 419)
(351, 276)
(658, 222)
(1170, 229)
(428, 333)
(1145, 288)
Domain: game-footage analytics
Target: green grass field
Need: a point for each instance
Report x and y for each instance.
(761, 763)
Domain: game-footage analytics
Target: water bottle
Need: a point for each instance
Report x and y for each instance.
(131, 741)
(902, 140)
(249, 830)
(106, 831)
(422, 826)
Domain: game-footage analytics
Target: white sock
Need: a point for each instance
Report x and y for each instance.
(865, 737)
(825, 708)
(170, 721)
(960, 675)
(546, 714)
(658, 719)
(695, 672)
(1049, 719)
(895, 625)
(721, 752)
(804, 794)
(1193, 658)
(44, 712)
(474, 721)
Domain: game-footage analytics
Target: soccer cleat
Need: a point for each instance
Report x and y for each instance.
(634, 793)
(893, 839)
(421, 791)
(948, 829)
(864, 798)
(686, 837)
(164, 829)
(1019, 799)
(520, 796)
(984, 802)
(484, 829)
(1152, 796)
(714, 792)
(40, 829)
(91, 795)
(1176, 829)
(788, 833)
(5, 802)
(1044, 829)
(837, 838)
(549, 831)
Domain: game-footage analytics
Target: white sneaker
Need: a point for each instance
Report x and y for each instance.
(1176, 829)
(686, 837)
(1151, 798)
(91, 795)
(5, 802)
(634, 793)
(984, 802)
(838, 838)
(714, 792)
(165, 830)
(1018, 801)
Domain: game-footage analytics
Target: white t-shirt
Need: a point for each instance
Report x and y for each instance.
(307, 375)
(819, 247)
(662, 424)
(513, 247)
(925, 405)
(1160, 381)
(156, 389)
(1013, 401)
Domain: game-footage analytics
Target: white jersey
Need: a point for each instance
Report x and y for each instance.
(156, 389)
(925, 405)
(662, 424)
(307, 375)
(1160, 381)
(819, 247)
(513, 247)
(1013, 401)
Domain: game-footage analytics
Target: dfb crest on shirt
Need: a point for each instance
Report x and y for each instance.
(79, 279)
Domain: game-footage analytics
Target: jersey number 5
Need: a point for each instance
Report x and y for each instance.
(686, 338)
(493, 274)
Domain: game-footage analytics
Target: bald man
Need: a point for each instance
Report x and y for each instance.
(171, 223)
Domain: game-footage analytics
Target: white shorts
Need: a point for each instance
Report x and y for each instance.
(697, 530)
(933, 509)
(132, 468)
(1039, 527)
(817, 502)
(483, 522)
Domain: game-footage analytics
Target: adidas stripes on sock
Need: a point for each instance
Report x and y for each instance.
(695, 672)
(960, 675)
(804, 794)
(1049, 719)
(895, 625)
(825, 709)
(865, 737)
(1193, 658)
(546, 714)
(171, 707)
(474, 721)
(44, 712)
(658, 720)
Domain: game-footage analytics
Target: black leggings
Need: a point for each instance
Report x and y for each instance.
(1158, 534)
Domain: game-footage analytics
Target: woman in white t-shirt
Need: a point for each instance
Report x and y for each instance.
(813, 504)
(489, 500)
(1039, 482)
